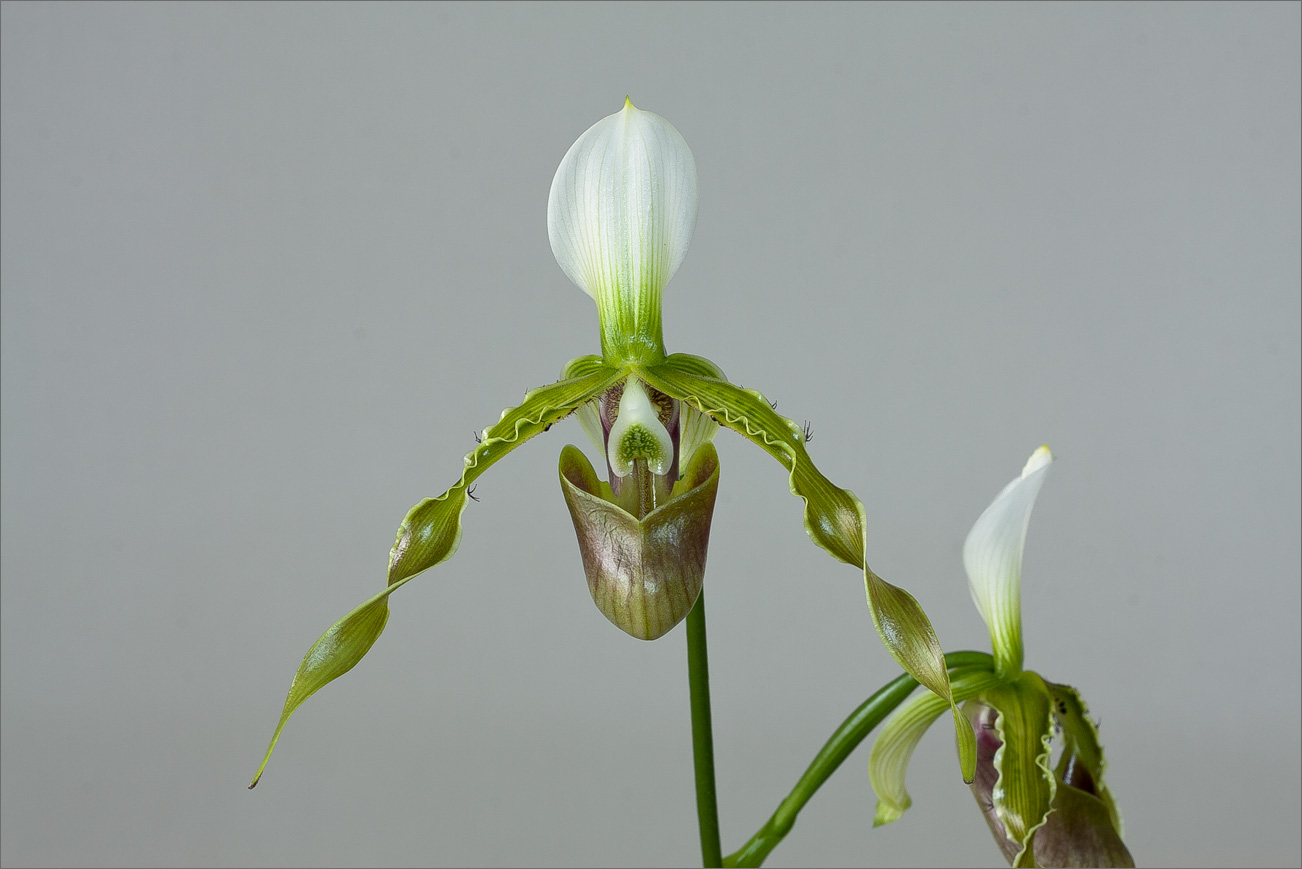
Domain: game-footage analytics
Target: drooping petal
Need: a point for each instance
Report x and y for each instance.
(420, 537)
(834, 520)
(889, 760)
(899, 736)
(646, 575)
(992, 556)
(1019, 799)
(431, 532)
(620, 217)
(333, 654)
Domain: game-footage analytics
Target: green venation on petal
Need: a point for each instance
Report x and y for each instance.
(695, 429)
(832, 514)
(620, 217)
(583, 366)
(689, 363)
(992, 557)
(586, 414)
(336, 652)
(420, 542)
(834, 519)
(900, 734)
(1023, 793)
(432, 530)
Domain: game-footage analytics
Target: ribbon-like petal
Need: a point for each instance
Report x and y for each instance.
(834, 520)
(431, 531)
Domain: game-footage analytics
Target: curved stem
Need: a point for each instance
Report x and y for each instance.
(698, 676)
(844, 741)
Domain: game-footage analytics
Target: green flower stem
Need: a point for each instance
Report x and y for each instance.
(844, 741)
(698, 675)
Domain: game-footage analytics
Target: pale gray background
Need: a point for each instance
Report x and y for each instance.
(267, 267)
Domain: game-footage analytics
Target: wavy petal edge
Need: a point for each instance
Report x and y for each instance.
(431, 533)
(835, 520)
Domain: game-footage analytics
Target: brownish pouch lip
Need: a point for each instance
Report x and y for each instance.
(644, 576)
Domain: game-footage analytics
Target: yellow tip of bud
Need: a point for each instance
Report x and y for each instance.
(1041, 457)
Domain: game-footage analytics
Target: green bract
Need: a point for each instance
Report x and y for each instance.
(1040, 813)
(620, 217)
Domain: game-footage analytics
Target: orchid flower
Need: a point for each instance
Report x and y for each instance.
(1041, 813)
(620, 217)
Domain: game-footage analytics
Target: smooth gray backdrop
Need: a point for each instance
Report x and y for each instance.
(266, 268)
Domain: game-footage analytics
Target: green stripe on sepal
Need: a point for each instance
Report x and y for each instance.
(582, 366)
(1023, 792)
(901, 732)
(690, 363)
(431, 533)
(1083, 827)
(620, 217)
(834, 520)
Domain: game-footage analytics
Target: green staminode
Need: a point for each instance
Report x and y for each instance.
(638, 443)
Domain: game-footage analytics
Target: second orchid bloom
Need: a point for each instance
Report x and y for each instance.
(1041, 813)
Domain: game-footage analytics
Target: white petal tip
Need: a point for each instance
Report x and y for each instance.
(1039, 459)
